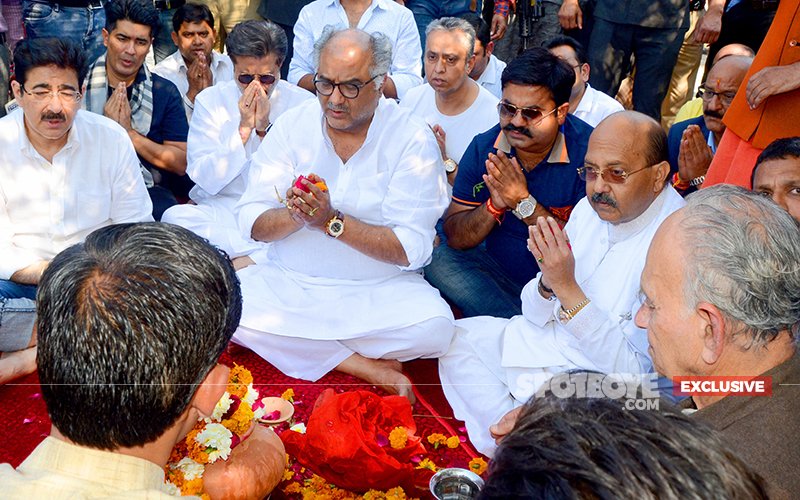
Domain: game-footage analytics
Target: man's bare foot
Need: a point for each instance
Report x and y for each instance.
(241, 262)
(385, 373)
(16, 364)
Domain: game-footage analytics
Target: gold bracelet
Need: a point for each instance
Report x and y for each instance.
(564, 315)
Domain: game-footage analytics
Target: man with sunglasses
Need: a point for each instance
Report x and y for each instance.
(63, 173)
(520, 169)
(229, 122)
(692, 143)
(578, 311)
(341, 287)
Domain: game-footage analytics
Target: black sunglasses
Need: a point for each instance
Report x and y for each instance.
(264, 79)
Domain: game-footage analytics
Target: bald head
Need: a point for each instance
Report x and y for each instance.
(641, 133)
(355, 44)
(735, 65)
(733, 49)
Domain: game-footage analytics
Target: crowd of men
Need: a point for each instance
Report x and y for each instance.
(399, 175)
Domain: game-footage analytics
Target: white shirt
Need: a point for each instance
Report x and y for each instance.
(383, 16)
(490, 78)
(216, 159)
(595, 106)
(394, 180)
(460, 129)
(174, 69)
(93, 181)
(609, 260)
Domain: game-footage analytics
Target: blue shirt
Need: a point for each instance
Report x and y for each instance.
(554, 182)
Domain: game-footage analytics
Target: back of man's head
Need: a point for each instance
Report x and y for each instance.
(192, 13)
(483, 32)
(537, 66)
(136, 11)
(594, 448)
(568, 41)
(129, 325)
(744, 252)
(59, 52)
(257, 39)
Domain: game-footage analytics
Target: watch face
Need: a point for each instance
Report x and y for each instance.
(526, 208)
(336, 227)
(450, 166)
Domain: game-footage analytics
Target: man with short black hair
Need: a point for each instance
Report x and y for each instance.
(521, 169)
(149, 107)
(488, 69)
(777, 174)
(585, 102)
(195, 65)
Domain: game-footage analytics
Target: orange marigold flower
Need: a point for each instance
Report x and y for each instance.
(288, 395)
(427, 464)
(238, 380)
(196, 451)
(288, 475)
(398, 438)
(292, 488)
(240, 421)
(193, 487)
(437, 439)
(478, 465)
(453, 442)
(396, 494)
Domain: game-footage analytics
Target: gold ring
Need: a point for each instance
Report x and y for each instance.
(313, 211)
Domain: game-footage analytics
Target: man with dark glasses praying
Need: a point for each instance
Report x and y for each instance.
(229, 122)
(521, 169)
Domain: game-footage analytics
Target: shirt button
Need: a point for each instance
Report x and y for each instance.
(793, 43)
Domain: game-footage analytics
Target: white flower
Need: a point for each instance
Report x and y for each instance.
(251, 395)
(171, 489)
(190, 468)
(222, 407)
(301, 428)
(215, 436)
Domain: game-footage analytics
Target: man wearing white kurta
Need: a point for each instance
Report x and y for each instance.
(222, 138)
(341, 287)
(578, 312)
(382, 16)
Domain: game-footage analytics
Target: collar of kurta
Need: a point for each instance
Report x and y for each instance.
(624, 230)
(25, 143)
(558, 153)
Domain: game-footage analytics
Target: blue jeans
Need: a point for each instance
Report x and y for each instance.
(12, 290)
(84, 25)
(426, 11)
(17, 315)
(163, 45)
(474, 282)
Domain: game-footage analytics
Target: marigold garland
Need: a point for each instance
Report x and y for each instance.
(238, 380)
(241, 420)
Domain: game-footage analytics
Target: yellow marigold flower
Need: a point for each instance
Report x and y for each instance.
(240, 421)
(288, 395)
(396, 494)
(193, 487)
(478, 465)
(453, 442)
(398, 438)
(288, 475)
(427, 464)
(437, 439)
(292, 488)
(238, 381)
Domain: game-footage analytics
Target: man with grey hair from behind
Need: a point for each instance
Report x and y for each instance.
(722, 299)
(230, 120)
(347, 192)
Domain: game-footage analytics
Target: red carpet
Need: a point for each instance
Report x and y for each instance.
(25, 422)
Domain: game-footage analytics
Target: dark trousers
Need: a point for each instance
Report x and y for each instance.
(655, 51)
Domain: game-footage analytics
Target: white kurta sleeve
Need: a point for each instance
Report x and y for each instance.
(416, 198)
(130, 201)
(406, 70)
(536, 309)
(12, 257)
(215, 155)
(303, 48)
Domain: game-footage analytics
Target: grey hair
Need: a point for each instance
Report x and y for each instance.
(744, 257)
(256, 39)
(379, 45)
(452, 24)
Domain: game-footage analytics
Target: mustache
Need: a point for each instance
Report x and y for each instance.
(47, 116)
(337, 107)
(604, 198)
(713, 114)
(521, 130)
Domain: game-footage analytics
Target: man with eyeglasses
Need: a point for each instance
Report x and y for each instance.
(195, 66)
(229, 122)
(63, 173)
(456, 108)
(520, 169)
(692, 143)
(578, 311)
(341, 287)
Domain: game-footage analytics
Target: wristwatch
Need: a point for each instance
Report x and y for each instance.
(335, 227)
(525, 207)
(450, 165)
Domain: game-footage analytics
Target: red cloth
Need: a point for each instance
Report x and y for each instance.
(346, 441)
(733, 162)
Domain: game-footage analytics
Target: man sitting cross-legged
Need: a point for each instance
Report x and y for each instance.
(578, 312)
(341, 289)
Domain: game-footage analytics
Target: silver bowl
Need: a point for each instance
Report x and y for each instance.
(455, 484)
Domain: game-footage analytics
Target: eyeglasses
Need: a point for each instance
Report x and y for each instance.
(264, 79)
(65, 95)
(724, 97)
(610, 175)
(349, 90)
(531, 114)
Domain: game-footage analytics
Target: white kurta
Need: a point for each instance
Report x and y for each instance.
(382, 16)
(595, 106)
(218, 162)
(317, 288)
(174, 69)
(510, 359)
(490, 78)
(479, 117)
(45, 207)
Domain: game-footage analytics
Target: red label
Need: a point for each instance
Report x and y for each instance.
(722, 386)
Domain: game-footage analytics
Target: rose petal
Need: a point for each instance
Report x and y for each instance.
(273, 415)
(382, 440)
(462, 429)
(416, 459)
(35, 395)
(28, 421)
(463, 439)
